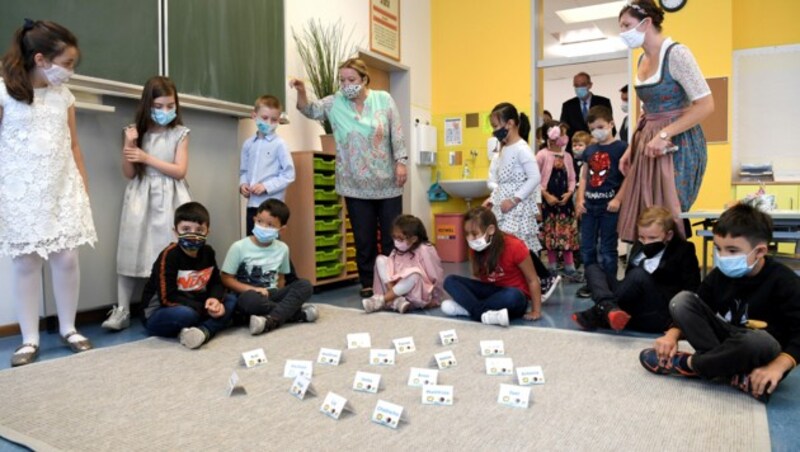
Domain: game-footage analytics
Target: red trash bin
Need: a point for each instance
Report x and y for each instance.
(450, 242)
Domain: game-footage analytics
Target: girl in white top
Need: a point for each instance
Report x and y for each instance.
(155, 157)
(44, 204)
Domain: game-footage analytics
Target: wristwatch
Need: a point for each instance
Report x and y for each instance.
(663, 135)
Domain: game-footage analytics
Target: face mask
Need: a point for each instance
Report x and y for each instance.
(500, 134)
(401, 245)
(265, 235)
(162, 117)
(191, 242)
(633, 38)
(351, 91)
(578, 153)
(651, 249)
(56, 75)
(479, 244)
(581, 91)
(734, 266)
(624, 107)
(264, 127)
(600, 134)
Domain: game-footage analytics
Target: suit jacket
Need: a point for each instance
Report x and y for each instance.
(678, 269)
(572, 116)
(623, 130)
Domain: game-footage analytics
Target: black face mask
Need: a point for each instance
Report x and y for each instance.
(651, 249)
(500, 134)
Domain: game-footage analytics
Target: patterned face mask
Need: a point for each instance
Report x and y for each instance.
(57, 75)
(191, 242)
(351, 91)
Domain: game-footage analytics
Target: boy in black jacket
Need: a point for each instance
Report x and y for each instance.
(661, 265)
(744, 320)
(183, 295)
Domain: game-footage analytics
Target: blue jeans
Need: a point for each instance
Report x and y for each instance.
(478, 297)
(168, 321)
(596, 223)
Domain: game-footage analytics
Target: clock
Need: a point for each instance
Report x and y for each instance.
(672, 6)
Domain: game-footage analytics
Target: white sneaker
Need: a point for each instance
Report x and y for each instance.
(118, 319)
(401, 305)
(495, 317)
(257, 324)
(311, 312)
(192, 337)
(453, 309)
(553, 285)
(374, 303)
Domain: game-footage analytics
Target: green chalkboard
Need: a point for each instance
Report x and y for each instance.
(118, 39)
(230, 50)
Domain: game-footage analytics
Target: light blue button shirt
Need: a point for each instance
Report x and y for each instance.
(266, 160)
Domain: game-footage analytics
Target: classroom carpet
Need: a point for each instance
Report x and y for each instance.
(154, 394)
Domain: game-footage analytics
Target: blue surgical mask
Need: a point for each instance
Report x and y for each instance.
(265, 235)
(162, 117)
(500, 134)
(734, 266)
(191, 242)
(581, 91)
(264, 127)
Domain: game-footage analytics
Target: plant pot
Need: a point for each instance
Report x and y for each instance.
(328, 144)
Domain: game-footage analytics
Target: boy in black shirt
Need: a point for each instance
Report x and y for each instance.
(183, 295)
(744, 320)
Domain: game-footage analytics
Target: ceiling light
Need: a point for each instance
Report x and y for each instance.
(594, 12)
(580, 35)
(608, 45)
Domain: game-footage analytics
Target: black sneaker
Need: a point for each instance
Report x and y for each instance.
(584, 292)
(587, 320)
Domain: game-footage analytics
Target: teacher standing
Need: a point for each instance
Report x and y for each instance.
(371, 159)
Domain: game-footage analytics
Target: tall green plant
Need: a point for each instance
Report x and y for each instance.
(323, 48)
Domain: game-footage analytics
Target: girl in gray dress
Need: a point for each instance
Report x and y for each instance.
(155, 159)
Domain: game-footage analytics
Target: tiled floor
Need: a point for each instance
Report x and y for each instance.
(783, 410)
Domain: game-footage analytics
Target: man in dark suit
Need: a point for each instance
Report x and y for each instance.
(656, 272)
(623, 130)
(575, 110)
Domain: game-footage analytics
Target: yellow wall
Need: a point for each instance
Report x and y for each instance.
(761, 24)
(481, 57)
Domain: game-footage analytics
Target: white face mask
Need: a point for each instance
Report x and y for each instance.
(57, 75)
(624, 107)
(401, 245)
(633, 38)
(600, 134)
(479, 244)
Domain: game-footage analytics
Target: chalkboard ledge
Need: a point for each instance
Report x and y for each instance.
(86, 87)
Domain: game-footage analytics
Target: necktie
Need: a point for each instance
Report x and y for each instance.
(584, 109)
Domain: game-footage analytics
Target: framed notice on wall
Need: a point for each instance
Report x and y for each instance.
(384, 27)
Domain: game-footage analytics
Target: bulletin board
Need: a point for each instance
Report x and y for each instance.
(715, 127)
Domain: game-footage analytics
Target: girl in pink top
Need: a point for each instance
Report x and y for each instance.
(560, 231)
(411, 276)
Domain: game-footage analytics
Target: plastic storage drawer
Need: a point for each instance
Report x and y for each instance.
(327, 211)
(351, 267)
(321, 164)
(351, 252)
(350, 238)
(325, 195)
(329, 270)
(328, 240)
(329, 225)
(321, 180)
(328, 255)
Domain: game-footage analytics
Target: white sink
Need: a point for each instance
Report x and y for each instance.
(468, 189)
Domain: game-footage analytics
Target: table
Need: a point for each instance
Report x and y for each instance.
(785, 227)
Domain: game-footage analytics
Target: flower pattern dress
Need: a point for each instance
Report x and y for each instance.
(44, 206)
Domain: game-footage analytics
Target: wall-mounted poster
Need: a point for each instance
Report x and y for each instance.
(384, 27)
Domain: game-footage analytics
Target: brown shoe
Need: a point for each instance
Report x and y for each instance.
(76, 346)
(20, 359)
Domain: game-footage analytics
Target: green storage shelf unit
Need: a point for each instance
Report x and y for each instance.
(328, 240)
(325, 195)
(332, 210)
(322, 164)
(328, 255)
(329, 270)
(321, 180)
(327, 225)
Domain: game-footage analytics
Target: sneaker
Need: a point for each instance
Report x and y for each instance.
(373, 304)
(618, 319)
(262, 324)
(118, 319)
(742, 383)
(453, 309)
(366, 292)
(587, 320)
(680, 363)
(584, 292)
(310, 313)
(401, 305)
(193, 337)
(549, 285)
(495, 317)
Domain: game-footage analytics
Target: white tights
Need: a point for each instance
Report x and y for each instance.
(401, 287)
(126, 286)
(27, 291)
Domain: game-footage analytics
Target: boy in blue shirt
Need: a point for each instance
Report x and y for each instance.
(266, 166)
(598, 198)
(254, 271)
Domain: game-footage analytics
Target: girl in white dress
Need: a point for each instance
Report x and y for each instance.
(155, 157)
(44, 204)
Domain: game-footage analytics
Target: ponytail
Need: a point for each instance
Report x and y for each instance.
(524, 126)
(506, 111)
(41, 36)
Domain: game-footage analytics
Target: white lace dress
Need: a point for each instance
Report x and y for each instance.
(44, 207)
(148, 209)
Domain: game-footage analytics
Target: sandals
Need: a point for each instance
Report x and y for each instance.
(21, 359)
(76, 346)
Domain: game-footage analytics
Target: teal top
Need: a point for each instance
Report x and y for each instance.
(255, 265)
(367, 144)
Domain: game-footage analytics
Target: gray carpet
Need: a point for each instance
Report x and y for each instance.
(156, 395)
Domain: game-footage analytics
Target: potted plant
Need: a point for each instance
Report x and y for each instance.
(322, 49)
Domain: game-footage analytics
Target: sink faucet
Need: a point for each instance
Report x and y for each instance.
(465, 173)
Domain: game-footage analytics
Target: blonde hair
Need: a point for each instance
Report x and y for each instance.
(357, 65)
(582, 137)
(657, 215)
